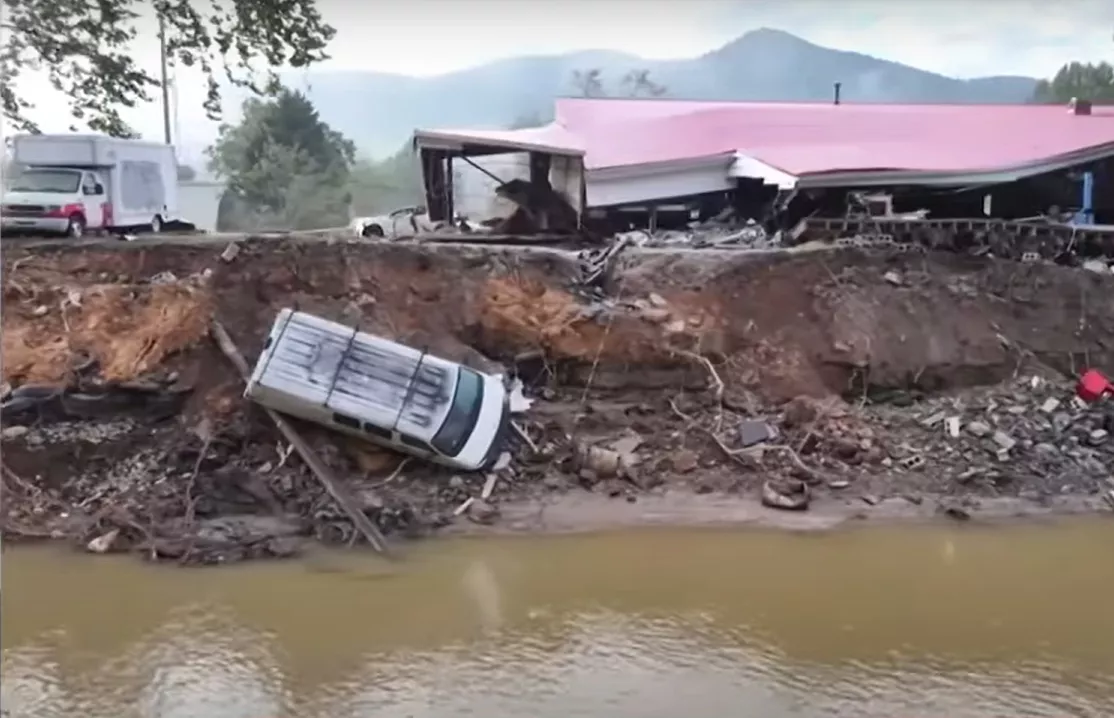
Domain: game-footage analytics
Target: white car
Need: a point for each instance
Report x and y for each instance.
(406, 223)
(399, 224)
(381, 391)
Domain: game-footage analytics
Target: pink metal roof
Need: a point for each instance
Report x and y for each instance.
(814, 138)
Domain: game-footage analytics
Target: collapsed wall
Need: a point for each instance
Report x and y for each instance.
(774, 326)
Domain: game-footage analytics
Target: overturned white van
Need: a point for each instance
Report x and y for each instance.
(380, 390)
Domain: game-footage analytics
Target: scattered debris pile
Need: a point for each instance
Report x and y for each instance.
(841, 376)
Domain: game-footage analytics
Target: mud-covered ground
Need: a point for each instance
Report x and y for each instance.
(840, 382)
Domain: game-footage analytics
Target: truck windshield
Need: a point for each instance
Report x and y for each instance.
(46, 181)
(465, 409)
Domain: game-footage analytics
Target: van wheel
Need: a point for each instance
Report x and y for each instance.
(156, 224)
(373, 230)
(76, 227)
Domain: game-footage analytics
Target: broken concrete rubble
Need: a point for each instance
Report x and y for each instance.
(679, 372)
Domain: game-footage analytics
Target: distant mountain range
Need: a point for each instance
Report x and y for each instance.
(379, 111)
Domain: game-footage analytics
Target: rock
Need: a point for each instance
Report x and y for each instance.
(685, 461)
(103, 543)
(800, 411)
(230, 252)
(1050, 405)
(956, 512)
(952, 427)
(502, 462)
(604, 463)
(457, 483)
(482, 512)
(588, 478)
(1097, 436)
(840, 484)
(893, 278)
(870, 499)
(934, 419)
(13, 432)
(978, 428)
(786, 495)
(677, 326)
(1004, 440)
(657, 300)
(626, 446)
(1045, 449)
(754, 431)
(1061, 421)
(40, 311)
(656, 315)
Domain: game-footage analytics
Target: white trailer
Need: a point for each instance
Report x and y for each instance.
(71, 184)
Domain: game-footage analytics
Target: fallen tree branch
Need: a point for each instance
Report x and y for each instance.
(734, 454)
(717, 382)
(525, 438)
(324, 475)
(394, 474)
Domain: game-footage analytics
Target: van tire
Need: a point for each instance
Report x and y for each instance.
(156, 224)
(373, 230)
(75, 229)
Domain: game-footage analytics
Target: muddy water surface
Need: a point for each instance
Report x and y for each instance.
(874, 622)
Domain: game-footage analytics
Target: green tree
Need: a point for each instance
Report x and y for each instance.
(283, 163)
(635, 83)
(588, 83)
(389, 184)
(1085, 81)
(85, 50)
(638, 83)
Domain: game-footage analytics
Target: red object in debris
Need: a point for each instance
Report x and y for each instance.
(1093, 386)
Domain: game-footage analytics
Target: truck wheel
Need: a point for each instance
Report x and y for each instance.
(156, 224)
(373, 230)
(76, 228)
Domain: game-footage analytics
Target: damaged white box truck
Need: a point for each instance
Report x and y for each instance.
(73, 184)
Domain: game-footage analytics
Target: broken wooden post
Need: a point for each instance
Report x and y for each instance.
(325, 475)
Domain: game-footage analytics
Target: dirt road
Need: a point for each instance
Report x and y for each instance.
(845, 380)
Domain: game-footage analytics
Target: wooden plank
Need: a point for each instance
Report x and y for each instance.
(324, 474)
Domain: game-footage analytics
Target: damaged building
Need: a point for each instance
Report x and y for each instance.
(520, 182)
(655, 164)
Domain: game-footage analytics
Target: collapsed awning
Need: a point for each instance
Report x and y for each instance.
(551, 139)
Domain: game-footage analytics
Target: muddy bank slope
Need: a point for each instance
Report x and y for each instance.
(846, 378)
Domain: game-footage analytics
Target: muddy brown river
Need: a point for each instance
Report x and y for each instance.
(916, 621)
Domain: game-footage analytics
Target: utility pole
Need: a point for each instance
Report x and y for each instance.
(165, 83)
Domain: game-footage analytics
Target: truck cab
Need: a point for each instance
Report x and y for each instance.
(56, 200)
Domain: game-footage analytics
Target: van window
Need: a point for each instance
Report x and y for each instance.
(377, 431)
(345, 420)
(463, 412)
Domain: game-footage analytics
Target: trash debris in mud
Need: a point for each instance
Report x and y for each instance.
(665, 373)
(785, 495)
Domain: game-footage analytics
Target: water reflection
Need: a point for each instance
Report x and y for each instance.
(690, 624)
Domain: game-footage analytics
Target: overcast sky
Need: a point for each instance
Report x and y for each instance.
(963, 38)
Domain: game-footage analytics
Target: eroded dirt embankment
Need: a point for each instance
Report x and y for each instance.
(836, 373)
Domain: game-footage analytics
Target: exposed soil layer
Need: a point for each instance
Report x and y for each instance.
(727, 373)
